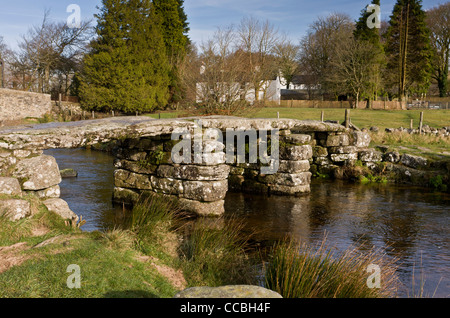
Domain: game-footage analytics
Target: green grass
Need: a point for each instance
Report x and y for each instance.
(362, 118)
(105, 272)
(113, 263)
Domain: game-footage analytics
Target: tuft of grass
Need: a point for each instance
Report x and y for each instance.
(215, 254)
(153, 219)
(119, 239)
(301, 271)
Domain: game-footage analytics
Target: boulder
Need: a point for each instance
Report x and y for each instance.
(338, 140)
(141, 167)
(166, 185)
(125, 196)
(52, 192)
(287, 179)
(294, 166)
(413, 161)
(205, 191)
(216, 208)
(322, 161)
(15, 209)
(280, 189)
(10, 186)
(193, 172)
(392, 156)
(304, 152)
(344, 157)
(361, 139)
(60, 207)
(68, 173)
(232, 291)
(38, 173)
(127, 179)
(370, 155)
(342, 149)
(297, 139)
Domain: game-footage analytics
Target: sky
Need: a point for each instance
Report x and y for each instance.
(204, 16)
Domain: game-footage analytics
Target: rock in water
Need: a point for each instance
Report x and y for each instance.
(68, 173)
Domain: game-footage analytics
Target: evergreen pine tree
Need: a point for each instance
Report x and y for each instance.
(408, 49)
(175, 28)
(363, 32)
(127, 69)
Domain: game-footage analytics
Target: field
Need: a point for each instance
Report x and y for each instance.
(362, 118)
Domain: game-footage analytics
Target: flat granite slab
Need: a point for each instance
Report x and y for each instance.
(81, 133)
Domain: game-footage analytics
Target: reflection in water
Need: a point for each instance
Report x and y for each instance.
(409, 223)
(90, 194)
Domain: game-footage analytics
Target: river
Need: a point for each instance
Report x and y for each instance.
(409, 223)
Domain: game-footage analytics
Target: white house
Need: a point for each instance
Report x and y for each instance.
(270, 91)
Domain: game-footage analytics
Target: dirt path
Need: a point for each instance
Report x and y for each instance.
(12, 256)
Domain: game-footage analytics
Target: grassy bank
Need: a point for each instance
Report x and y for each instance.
(158, 253)
(36, 253)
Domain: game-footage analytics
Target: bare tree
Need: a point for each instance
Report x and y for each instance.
(438, 20)
(5, 56)
(257, 40)
(287, 58)
(316, 48)
(350, 68)
(48, 49)
(221, 86)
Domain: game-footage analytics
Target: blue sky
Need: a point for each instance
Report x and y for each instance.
(290, 16)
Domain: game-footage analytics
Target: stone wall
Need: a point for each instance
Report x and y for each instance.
(15, 105)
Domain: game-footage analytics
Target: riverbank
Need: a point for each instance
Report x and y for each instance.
(150, 257)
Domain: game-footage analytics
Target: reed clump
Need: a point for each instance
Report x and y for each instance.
(215, 253)
(296, 270)
(153, 221)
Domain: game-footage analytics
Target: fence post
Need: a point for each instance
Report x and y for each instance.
(411, 124)
(59, 99)
(322, 116)
(93, 114)
(347, 118)
(278, 115)
(421, 123)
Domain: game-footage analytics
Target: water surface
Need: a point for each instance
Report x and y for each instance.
(410, 223)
